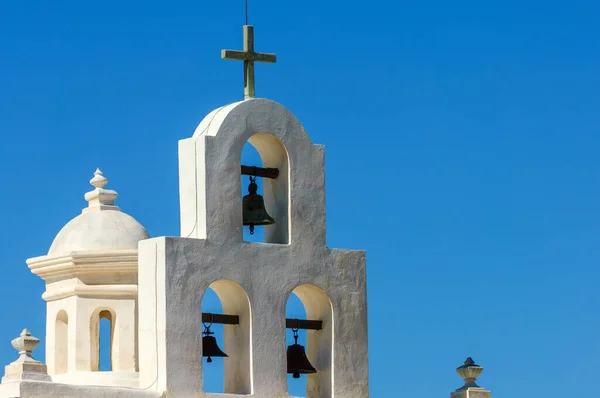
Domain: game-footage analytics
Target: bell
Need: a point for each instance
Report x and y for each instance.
(211, 349)
(209, 345)
(254, 212)
(297, 362)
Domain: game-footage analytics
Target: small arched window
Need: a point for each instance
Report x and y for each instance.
(102, 336)
(61, 343)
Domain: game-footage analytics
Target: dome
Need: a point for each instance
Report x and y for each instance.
(101, 226)
(101, 230)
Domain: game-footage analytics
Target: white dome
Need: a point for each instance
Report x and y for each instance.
(98, 230)
(101, 226)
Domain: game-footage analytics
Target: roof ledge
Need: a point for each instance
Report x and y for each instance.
(88, 263)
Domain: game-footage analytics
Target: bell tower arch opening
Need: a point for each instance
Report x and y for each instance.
(295, 310)
(310, 366)
(265, 190)
(226, 348)
(214, 371)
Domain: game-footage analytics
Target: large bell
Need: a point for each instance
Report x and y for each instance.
(254, 212)
(209, 345)
(297, 362)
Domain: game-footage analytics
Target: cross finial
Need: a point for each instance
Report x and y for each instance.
(249, 57)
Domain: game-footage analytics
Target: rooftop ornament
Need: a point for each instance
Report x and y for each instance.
(469, 372)
(25, 367)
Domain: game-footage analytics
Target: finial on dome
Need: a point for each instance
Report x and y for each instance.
(99, 181)
(100, 198)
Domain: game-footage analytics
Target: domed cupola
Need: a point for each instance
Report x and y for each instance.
(101, 226)
(91, 273)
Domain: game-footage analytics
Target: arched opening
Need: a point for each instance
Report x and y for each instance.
(311, 302)
(214, 372)
(61, 343)
(295, 310)
(267, 151)
(233, 374)
(102, 336)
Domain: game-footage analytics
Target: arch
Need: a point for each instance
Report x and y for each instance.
(237, 339)
(319, 343)
(97, 315)
(209, 168)
(274, 154)
(267, 112)
(61, 342)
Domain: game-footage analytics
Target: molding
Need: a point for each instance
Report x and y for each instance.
(96, 262)
(93, 291)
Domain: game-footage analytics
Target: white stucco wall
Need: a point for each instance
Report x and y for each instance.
(174, 273)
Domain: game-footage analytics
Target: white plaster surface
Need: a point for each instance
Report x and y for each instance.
(39, 389)
(174, 273)
(99, 230)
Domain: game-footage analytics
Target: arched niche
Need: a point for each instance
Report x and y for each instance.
(102, 341)
(236, 338)
(275, 192)
(319, 343)
(61, 343)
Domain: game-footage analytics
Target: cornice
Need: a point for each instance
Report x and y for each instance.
(85, 263)
(93, 291)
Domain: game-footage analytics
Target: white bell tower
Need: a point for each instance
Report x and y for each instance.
(253, 280)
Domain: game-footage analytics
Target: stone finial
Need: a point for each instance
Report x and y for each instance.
(25, 367)
(469, 372)
(99, 181)
(25, 344)
(100, 198)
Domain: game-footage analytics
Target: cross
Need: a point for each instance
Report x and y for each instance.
(249, 57)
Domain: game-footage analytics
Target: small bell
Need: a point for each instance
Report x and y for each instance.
(254, 212)
(209, 345)
(297, 362)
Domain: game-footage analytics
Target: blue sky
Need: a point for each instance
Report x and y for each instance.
(461, 152)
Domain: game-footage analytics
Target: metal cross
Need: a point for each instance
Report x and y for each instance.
(249, 57)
